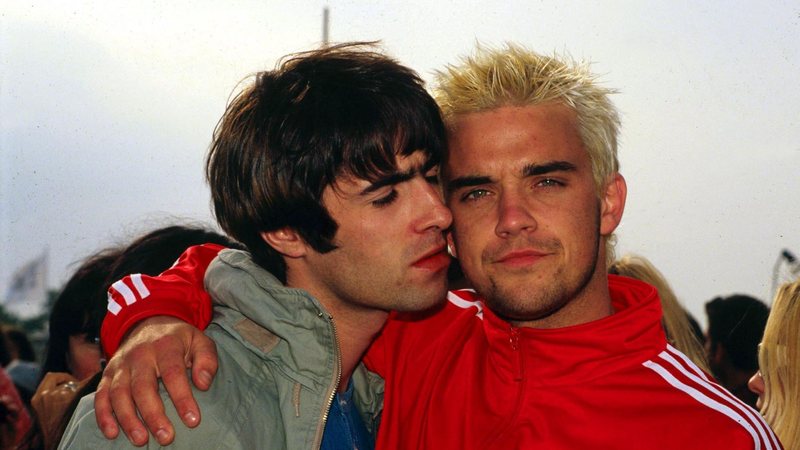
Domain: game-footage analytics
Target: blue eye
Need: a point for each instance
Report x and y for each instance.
(475, 194)
(549, 182)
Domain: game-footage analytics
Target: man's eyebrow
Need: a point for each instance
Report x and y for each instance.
(544, 168)
(429, 164)
(389, 180)
(527, 171)
(466, 181)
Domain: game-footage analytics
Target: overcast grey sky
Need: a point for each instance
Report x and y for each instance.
(107, 108)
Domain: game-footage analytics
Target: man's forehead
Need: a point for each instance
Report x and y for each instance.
(419, 159)
(405, 166)
(512, 138)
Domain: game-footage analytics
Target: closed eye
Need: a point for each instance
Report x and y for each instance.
(386, 200)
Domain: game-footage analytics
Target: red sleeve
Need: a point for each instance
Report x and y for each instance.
(176, 292)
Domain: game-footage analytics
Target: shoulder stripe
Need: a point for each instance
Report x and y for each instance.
(121, 288)
(139, 285)
(113, 307)
(455, 299)
(748, 417)
(754, 416)
(124, 291)
(704, 399)
(688, 363)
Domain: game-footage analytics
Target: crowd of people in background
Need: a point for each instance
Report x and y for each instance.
(752, 351)
(38, 398)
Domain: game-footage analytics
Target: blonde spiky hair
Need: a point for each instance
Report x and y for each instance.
(779, 362)
(515, 76)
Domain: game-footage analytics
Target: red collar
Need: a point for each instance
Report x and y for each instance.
(632, 335)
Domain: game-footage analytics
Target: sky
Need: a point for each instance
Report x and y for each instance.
(107, 109)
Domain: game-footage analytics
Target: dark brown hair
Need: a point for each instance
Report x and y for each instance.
(339, 111)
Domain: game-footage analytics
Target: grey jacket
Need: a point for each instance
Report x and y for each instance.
(278, 370)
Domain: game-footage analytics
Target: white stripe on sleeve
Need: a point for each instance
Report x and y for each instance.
(139, 285)
(744, 409)
(124, 291)
(704, 399)
(753, 415)
(113, 307)
(688, 362)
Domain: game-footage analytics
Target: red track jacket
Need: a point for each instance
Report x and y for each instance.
(461, 378)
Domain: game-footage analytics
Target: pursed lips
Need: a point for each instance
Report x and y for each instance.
(435, 259)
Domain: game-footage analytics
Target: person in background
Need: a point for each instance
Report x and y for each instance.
(21, 346)
(23, 368)
(73, 350)
(676, 320)
(14, 418)
(777, 383)
(735, 327)
(74, 326)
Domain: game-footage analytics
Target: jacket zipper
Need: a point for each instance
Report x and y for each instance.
(337, 378)
(514, 340)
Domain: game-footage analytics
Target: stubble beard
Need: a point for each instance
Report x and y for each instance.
(521, 304)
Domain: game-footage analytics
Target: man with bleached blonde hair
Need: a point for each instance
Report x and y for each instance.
(515, 76)
(547, 351)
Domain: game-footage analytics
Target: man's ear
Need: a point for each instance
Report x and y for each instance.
(612, 204)
(286, 241)
(451, 246)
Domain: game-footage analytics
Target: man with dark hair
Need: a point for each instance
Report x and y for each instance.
(326, 169)
(735, 328)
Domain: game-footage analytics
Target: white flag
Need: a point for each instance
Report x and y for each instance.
(27, 294)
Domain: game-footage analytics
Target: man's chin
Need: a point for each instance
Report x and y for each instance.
(423, 299)
(521, 306)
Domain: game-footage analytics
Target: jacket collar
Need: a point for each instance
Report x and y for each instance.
(276, 322)
(576, 354)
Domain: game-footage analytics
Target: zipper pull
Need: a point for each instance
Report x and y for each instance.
(514, 341)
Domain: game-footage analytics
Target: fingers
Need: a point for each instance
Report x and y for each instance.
(150, 405)
(102, 409)
(172, 369)
(203, 360)
(135, 369)
(122, 403)
(157, 347)
(202, 357)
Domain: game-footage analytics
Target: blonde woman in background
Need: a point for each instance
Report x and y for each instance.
(676, 319)
(777, 383)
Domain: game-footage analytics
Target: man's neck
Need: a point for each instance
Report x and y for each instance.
(355, 331)
(355, 326)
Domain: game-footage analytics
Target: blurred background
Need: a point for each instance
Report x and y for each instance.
(107, 109)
